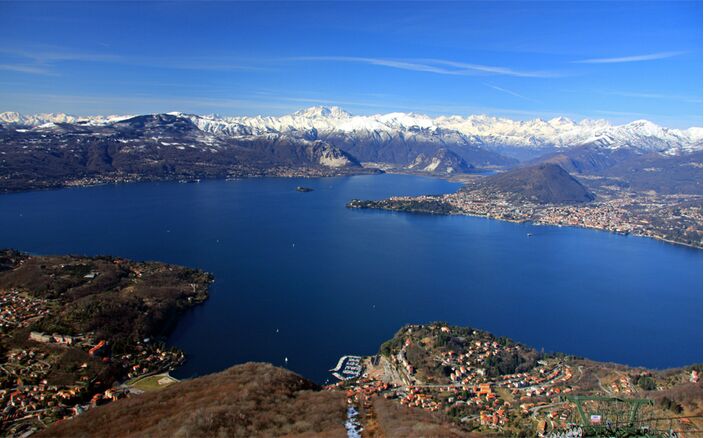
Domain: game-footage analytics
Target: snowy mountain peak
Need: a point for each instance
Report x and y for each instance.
(561, 121)
(493, 133)
(10, 117)
(334, 112)
(645, 126)
(16, 118)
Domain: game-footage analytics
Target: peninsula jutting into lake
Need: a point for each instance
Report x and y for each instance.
(351, 219)
(635, 179)
(396, 268)
(102, 349)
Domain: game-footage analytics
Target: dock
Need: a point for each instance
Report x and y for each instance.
(347, 368)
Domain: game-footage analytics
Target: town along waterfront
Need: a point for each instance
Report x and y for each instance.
(300, 277)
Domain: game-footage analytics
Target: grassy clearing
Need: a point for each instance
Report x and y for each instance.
(157, 382)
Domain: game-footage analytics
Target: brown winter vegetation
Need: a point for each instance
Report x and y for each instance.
(118, 300)
(394, 420)
(107, 303)
(244, 401)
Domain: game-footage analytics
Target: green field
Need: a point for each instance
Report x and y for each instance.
(157, 382)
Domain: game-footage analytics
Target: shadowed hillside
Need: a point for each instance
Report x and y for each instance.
(253, 399)
(390, 419)
(154, 147)
(545, 183)
(630, 169)
(245, 400)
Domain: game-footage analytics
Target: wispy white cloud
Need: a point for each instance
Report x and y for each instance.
(46, 58)
(23, 68)
(41, 60)
(512, 93)
(438, 66)
(632, 58)
(200, 63)
(496, 70)
(49, 56)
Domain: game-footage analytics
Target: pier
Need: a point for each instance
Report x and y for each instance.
(348, 367)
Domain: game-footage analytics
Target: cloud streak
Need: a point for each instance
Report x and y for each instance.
(632, 58)
(437, 66)
(30, 69)
(510, 92)
(41, 59)
(44, 59)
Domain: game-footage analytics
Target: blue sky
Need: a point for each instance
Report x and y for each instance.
(612, 60)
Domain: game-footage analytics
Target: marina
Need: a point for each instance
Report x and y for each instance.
(348, 367)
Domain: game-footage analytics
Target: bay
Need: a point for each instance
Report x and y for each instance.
(300, 277)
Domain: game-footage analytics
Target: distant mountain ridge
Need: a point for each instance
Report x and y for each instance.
(153, 147)
(43, 149)
(490, 133)
(630, 168)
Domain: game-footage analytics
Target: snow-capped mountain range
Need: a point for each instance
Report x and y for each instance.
(336, 125)
(33, 120)
(51, 150)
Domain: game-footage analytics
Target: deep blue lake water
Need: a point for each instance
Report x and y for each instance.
(335, 281)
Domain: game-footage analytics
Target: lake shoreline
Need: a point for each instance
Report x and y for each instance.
(398, 268)
(535, 223)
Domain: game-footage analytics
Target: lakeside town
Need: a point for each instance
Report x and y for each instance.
(50, 376)
(672, 218)
(469, 377)
(28, 401)
(490, 384)
(9, 185)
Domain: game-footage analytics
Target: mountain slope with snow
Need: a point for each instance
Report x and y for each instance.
(32, 120)
(47, 150)
(57, 152)
(475, 130)
(488, 132)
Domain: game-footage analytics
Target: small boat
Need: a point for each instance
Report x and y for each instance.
(303, 189)
(529, 235)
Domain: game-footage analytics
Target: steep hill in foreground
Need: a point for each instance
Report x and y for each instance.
(245, 400)
(73, 337)
(545, 183)
(254, 399)
(430, 380)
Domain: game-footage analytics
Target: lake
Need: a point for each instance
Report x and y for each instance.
(301, 277)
